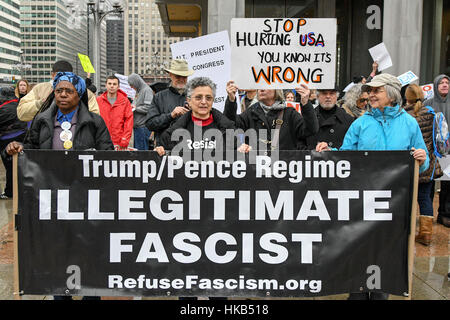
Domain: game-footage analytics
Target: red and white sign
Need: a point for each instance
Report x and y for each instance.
(294, 105)
(428, 91)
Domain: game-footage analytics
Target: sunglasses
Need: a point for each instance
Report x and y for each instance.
(363, 100)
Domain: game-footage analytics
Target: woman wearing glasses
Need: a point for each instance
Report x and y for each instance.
(203, 128)
(67, 124)
(356, 101)
(385, 127)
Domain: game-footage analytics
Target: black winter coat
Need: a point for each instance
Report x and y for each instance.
(90, 133)
(295, 129)
(9, 122)
(331, 130)
(221, 122)
(163, 103)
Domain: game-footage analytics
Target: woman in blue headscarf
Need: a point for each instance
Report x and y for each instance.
(67, 124)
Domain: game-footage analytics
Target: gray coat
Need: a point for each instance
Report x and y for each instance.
(142, 101)
(438, 103)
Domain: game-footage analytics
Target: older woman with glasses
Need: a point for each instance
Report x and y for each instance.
(201, 117)
(356, 101)
(386, 127)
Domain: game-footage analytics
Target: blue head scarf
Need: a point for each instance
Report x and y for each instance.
(77, 81)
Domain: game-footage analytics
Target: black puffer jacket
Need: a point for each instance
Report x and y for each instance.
(163, 103)
(331, 130)
(90, 132)
(293, 132)
(9, 122)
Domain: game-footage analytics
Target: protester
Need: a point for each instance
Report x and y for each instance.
(41, 96)
(116, 111)
(356, 101)
(271, 113)
(386, 127)
(313, 98)
(22, 89)
(289, 96)
(200, 94)
(169, 104)
(441, 103)
(142, 102)
(333, 120)
(414, 106)
(247, 99)
(66, 125)
(11, 129)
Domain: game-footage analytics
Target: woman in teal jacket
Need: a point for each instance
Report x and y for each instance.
(386, 127)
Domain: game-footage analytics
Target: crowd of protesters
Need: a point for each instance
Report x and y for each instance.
(376, 113)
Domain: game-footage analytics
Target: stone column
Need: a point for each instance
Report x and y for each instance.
(220, 13)
(402, 35)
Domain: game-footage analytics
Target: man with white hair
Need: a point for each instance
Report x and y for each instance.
(333, 120)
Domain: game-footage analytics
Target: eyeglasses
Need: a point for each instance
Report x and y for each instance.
(200, 98)
(363, 100)
(374, 90)
(67, 90)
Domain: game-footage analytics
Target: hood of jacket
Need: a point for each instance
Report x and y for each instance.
(136, 81)
(437, 96)
(388, 112)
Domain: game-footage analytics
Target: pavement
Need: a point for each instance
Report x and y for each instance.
(430, 280)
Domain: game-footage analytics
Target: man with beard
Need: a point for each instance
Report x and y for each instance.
(169, 104)
(333, 120)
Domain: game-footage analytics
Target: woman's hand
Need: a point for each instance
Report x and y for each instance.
(244, 148)
(13, 148)
(322, 146)
(420, 155)
(160, 150)
(304, 93)
(231, 90)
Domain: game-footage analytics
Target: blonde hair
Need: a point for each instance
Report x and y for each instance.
(414, 95)
(279, 96)
(16, 90)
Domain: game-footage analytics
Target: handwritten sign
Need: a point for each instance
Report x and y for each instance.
(86, 63)
(283, 53)
(209, 56)
(428, 91)
(407, 78)
(380, 54)
(124, 86)
(294, 105)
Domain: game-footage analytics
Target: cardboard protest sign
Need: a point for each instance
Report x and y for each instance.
(407, 78)
(283, 53)
(209, 56)
(380, 54)
(428, 91)
(294, 105)
(125, 87)
(86, 63)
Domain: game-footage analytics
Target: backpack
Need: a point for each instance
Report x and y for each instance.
(441, 140)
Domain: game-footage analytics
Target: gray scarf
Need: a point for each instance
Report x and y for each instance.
(277, 106)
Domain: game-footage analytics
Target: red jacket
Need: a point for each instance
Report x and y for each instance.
(118, 118)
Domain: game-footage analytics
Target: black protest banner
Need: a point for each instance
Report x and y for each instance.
(133, 223)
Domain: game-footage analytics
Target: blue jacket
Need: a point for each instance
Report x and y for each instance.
(392, 129)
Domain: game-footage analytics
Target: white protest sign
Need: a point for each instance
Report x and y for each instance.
(380, 54)
(124, 86)
(445, 165)
(279, 53)
(209, 56)
(407, 78)
(351, 85)
(295, 105)
(428, 91)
